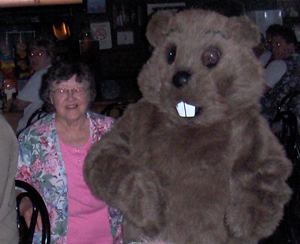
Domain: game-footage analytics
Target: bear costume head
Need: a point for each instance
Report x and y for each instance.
(201, 59)
(193, 161)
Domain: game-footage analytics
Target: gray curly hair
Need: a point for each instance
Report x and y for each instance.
(62, 72)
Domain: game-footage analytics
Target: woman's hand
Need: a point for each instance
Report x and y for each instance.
(26, 210)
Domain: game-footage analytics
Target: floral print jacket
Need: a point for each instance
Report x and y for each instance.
(41, 165)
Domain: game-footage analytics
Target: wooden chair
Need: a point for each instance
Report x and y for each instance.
(38, 114)
(25, 233)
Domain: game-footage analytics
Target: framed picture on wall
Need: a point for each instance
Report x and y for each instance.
(96, 6)
(151, 8)
(125, 15)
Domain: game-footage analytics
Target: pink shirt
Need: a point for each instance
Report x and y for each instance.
(88, 217)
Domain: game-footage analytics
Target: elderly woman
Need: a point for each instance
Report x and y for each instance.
(41, 57)
(51, 157)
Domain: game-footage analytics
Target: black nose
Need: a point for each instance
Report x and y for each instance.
(181, 78)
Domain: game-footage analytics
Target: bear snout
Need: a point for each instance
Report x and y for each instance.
(181, 78)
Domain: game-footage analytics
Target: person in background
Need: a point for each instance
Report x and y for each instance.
(41, 57)
(269, 34)
(51, 158)
(282, 74)
(263, 50)
(266, 56)
(8, 161)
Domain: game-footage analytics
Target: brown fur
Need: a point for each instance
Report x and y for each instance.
(219, 177)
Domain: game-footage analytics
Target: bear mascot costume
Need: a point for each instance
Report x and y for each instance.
(193, 161)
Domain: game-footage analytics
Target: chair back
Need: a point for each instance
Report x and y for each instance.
(26, 234)
(38, 114)
(115, 109)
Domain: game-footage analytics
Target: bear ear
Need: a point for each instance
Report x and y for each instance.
(244, 31)
(158, 26)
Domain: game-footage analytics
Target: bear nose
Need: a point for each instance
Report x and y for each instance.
(181, 78)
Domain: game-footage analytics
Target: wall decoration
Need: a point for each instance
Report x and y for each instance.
(23, 69)
(125, 15)
(110, 89)
(101, 32)
(151, 8)
(7, 64)
(96, 6)
(125, 37)
(19, 3)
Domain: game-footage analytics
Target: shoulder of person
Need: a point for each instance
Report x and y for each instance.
(95, 116)
(274, 72)
(35, 78)
(40, 125)
(100, 121)
(277, 64)
(42, 71)
(277, 67)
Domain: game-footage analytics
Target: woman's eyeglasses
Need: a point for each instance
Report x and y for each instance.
(37, 54)
(76, 92)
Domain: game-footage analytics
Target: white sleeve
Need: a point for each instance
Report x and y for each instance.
(274, 71)
(30, 91)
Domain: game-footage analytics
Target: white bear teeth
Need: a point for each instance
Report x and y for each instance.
(186, 110)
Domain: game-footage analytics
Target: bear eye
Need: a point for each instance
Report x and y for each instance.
(210, 57)
(171, 54)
